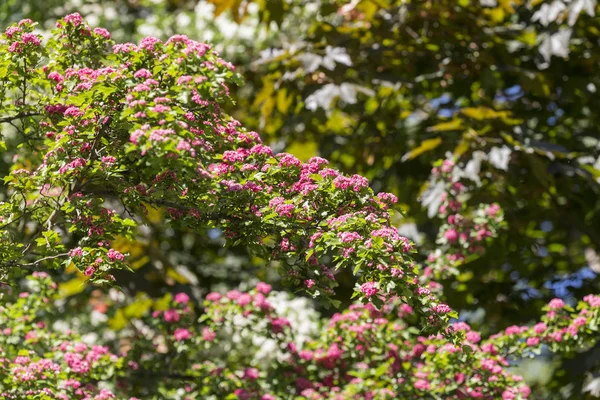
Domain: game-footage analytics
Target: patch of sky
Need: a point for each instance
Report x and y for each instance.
(512, 93)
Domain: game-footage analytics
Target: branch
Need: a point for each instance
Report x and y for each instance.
(18, 116)
(102, 131)
(14, 263)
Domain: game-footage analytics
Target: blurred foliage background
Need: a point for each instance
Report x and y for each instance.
(385, 88)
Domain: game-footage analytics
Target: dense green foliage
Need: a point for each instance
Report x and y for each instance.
(506, 89)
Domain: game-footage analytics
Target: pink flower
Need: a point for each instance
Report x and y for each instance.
(309, 283)
(159, 108)
(572, 330)
(347, 237)
(492, 210)
(277, 324)
(260, 149)
(213, 296)
(89, 271)
(306, 355)
(148, 43)
(102, 32)
(593, 300)
(369, 289)
(73, 112)
(514, 330)
(288, 160)
(458, 187)
(451, 235)
(10, 31)
(251, 374)
(244, 299)
(540, 328)
(396, 272)
(334, 352)
(182, 298)
(447, 166)
(386, 197)
(508, 395)
(76, 252)
(556, 336)
(556, 304)
(261, 302)
(55, 76)
(184, 79)
(264, 288)
(109, 160)
(533, 341)
(31, 38)
(14, 48)
(406, 309)
(182, 334)
(171, 315)
(74, 19)
(483, 233)
(285, 210)
(115, 255)
(242, 394)
(208, 335)
(124, 48)
(525, 390)
(422, 384)
(442, 308)
(473, 337)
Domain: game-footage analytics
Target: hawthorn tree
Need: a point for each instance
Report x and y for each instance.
(102, 135)
(141, 127)
(516, 88)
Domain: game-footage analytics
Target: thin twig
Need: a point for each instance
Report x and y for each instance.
(18, 116)
(14, 263)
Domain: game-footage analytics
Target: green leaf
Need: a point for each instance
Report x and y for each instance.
(453, 125)
(481, 113)
(426, 145)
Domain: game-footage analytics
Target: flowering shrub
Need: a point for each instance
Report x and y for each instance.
(103, 133)
(39, 362)
(140, 126)
(361, 353)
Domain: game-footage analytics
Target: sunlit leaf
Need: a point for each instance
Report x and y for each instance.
(426, 145)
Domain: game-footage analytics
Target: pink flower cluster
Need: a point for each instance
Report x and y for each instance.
(460, 235)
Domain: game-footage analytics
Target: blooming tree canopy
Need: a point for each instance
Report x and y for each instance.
(111, 130)
(103, 134)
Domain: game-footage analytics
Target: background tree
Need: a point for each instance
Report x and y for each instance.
(385, 89)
